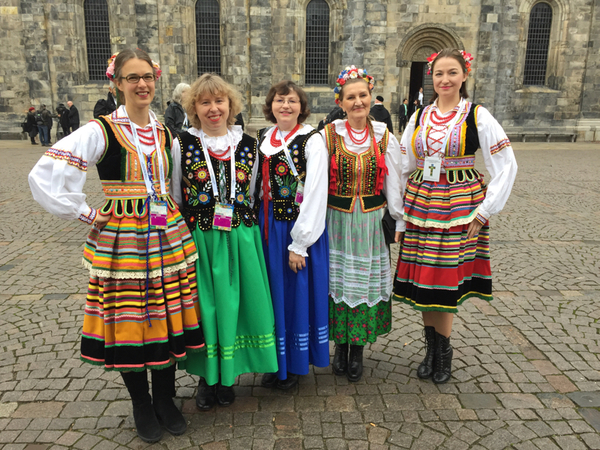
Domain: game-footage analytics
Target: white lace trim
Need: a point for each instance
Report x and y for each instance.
(118, 275)
(359, 301)
(444, 226)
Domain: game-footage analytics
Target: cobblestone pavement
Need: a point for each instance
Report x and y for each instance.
(526, 366)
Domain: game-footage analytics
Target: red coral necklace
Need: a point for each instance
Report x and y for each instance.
(354, 135)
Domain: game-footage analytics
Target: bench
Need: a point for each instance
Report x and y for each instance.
(548, 133)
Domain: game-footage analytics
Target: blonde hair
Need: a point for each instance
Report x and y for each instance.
(214, 85)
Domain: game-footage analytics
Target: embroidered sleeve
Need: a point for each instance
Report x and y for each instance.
(500, 162)
(57, 180)
(392, 186)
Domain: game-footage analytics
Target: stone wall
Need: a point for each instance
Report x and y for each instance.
(263, 41)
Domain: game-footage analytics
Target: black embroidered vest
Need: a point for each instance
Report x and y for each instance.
(283, 182)
(198, 206)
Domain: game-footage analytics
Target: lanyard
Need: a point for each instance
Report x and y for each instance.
(211, 170)
(287, 152)
(461, 107)
(142, 157)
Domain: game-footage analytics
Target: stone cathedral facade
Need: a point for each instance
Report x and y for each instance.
(536, 67)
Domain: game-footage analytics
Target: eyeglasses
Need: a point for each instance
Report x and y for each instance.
(135, 79)
(281, 101)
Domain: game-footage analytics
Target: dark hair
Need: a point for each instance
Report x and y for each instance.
(284, 88)
(121, 59)
(405, 100)
(380, 98)
(455, 54)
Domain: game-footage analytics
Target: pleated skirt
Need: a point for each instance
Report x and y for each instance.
(300, 301)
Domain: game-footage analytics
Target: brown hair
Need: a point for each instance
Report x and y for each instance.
(212, 84)
(284, 88)
(455, 54)
(121, 59)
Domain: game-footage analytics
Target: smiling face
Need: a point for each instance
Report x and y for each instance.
(286, 109)
(213, 112)
(448, 77)
(356, 101)
(137, 95)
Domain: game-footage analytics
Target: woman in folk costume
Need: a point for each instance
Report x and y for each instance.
(445, 253)
(290, 181)
(215, 166)
(364, 176)
(139, 311)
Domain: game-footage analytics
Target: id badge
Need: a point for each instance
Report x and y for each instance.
(223, 217)
(299, 193)
(432, 169)
(158, 214)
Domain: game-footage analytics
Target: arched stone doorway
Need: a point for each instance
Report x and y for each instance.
(418, 44)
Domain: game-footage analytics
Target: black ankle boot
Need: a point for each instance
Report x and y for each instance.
(442, 361)
(269, 380)
(225, 395)
(163, 391)
(289, 382)
(206, 397)
(425, 369)
(340, 359)
(355, 363)
(146, 423)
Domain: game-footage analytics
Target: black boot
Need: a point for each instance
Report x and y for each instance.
(269, 380)
(442, 361)
(425, 369)
(163, 391)
(340, 359)
(289, 382)
(146, 423)
(206, 397)
(225, 395)
(355, 363)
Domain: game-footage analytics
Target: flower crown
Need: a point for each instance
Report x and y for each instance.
(351, 72)
(467, 56)
(110, 70)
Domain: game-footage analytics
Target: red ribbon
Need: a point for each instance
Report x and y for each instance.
(333, 172)
(266, 191)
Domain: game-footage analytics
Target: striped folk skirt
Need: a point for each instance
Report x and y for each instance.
(439, 267)
(133, 321)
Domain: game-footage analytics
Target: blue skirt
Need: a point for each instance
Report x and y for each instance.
(300, 301)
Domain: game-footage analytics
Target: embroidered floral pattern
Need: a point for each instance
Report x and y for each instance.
(67, 156)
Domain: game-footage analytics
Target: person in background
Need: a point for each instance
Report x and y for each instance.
(106, 107)
(42, 126)
(175, 116)
(73, 116)
(63, 118)
(403, 115)
(140, 308)
(381, 114)
(31, 125)
(420, 97)
(445, 254)
(290, 180)
(47, 117)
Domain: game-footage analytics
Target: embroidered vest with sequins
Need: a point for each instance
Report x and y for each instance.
(283, 182)
(346, 182)
(120, 172)
(198, 206)
(463, 142)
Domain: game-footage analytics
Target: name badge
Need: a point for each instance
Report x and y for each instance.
(432, 168)
(299, 193)
(158, 215)
(223, 217)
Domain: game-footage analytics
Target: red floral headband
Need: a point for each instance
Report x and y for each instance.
(110, 70)
(349, 73)
(467, 56)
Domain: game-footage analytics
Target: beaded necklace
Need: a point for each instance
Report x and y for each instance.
(275, 143)
(352, 134)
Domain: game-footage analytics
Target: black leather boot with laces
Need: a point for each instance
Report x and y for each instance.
(355, 363)
(425, 369)
(442, 361)
(340, 359)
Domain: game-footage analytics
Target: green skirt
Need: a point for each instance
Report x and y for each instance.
(359, 324)
(234, 306)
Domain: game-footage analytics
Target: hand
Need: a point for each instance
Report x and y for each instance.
(473, 229)
(399, 236)
(297, 262)
(100, 221)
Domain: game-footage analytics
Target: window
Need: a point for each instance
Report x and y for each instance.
(317, 43)
(538, 41)
(208, 36)
(97, 34)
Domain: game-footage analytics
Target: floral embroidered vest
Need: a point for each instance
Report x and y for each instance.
(283, 181)
(198, 206)
(353, 176)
